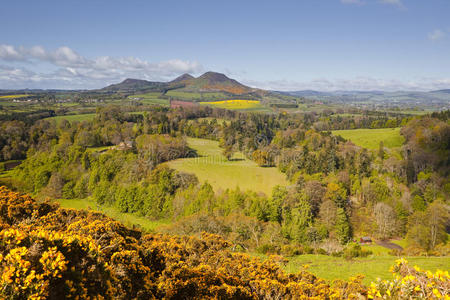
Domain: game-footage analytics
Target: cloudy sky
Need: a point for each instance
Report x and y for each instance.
(284, 45)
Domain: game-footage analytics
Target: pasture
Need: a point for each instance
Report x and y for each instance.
(128, 219)
(150, 99)
(73, 118)
(236, 104)
(372, 267)
(371, 138)
(212, 166)
(196, 96)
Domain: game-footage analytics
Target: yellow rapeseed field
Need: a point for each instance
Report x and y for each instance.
(14, 96)
(234, 104)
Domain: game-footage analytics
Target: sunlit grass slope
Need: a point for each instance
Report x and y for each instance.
(72, 118)
(372, 267)
(127, 219)
(370, 138)
(213, 167)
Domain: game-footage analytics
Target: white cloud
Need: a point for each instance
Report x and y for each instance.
(8, 52)
(352, 2)
(436, 35)
(355, 84)
(72, 68)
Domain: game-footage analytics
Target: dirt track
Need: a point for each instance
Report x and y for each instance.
(389, 245)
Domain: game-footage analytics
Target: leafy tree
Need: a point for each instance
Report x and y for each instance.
(386, 220)
(428, 228)
(418, 204)
(337, 194)
(228, 152)
(327, 213)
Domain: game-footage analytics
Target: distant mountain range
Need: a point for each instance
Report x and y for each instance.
(208, 82)
(205, 86)
(442, 91)
(439, 98)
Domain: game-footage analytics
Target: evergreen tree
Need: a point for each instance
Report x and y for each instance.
(343, 230)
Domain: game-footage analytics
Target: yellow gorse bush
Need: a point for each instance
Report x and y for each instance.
(411, 283)
(51, 253)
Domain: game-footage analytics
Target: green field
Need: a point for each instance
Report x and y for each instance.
(72, 118)
(190, 96)
(373, 267)
(213, 167)
(127, 219)
(411, 112)
(371, 138)
(150, 99)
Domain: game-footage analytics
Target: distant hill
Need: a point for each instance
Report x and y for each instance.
(182, 78)
(134, 85)
(208, 82)
(440, 100)
(306, 93)
(212, 81)
(442, 91)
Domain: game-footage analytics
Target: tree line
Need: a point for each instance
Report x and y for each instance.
(338, 191)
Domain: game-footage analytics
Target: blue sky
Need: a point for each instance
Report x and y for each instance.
(285, 45)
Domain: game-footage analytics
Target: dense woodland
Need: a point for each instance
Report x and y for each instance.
(338, 191)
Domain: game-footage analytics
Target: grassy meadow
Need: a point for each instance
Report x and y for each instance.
(127, 219)
(372, 267)
(371, 138)
(72, 118)
(212, 166)
(181, 94)
(150, 99)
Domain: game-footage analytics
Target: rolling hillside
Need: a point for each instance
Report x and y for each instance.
(208, 82)
(211, 86)
(134, 85)
(212, 81)
(213, 167)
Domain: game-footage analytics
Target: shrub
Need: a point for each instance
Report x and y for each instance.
(320, 251)
(268, 249)
(411, 283)
(354, 250)
(291, 250)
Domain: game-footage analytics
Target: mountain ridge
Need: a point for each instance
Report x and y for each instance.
(207, 82)
(181, 78)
